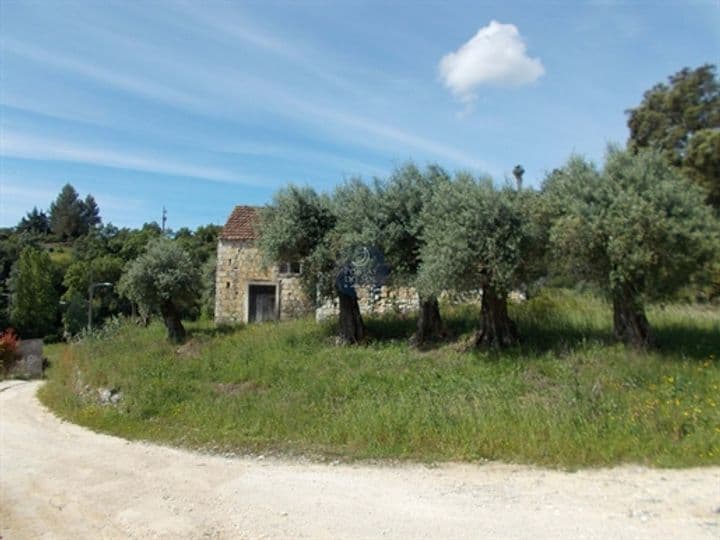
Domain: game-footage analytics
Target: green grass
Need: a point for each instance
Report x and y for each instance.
(60, 253)
(568, 396)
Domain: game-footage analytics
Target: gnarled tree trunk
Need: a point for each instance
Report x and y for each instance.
(630, 325)
(351, 328)
(497, 330)
(171, 318)
(430, 325)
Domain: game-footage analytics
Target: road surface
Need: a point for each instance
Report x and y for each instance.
(58, 480)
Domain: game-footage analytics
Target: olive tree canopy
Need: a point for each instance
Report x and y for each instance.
(638, 228)
(401, 203)
(300, 226)
(163, 278)
(475, 238)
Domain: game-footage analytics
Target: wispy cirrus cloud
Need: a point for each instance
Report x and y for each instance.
(238, 29)
(224, 98)
(221, 90)
(382, 131)
(18, 145)
(113, 78)
(496, 54)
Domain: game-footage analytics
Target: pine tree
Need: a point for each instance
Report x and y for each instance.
(681, 119)
(35, 221)
(90, 214)
(66, 214)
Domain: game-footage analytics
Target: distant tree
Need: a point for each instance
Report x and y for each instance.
(163, 278)
(476, 237)
(11, 245)
(34, 304)
(35, 222)
(77, 280)
(638, 229)
(208, 288)
(129, 244)
(91, 246)
(89, 215)
(200, 244)
(74, 313)
(702, 163)
(66, 214)
(682, 119)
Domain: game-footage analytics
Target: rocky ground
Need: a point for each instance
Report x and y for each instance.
(58, 480)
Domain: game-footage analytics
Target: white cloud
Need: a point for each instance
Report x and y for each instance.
(495, 55)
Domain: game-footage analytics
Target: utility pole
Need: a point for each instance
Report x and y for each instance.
(164, 219)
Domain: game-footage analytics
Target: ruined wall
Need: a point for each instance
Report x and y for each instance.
(239, 263)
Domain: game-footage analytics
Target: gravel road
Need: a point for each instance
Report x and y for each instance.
(58, 480)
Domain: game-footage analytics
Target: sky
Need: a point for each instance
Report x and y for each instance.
(200, 106)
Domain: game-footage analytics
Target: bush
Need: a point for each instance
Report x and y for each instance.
(8, 349)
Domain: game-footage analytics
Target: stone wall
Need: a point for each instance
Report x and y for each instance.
(375, 301)
(294, 302)
(30, 362)
(399, 300)
(239, 263)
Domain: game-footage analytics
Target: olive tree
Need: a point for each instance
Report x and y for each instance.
(300, 226)
(475, 238)
(163, 278)
(637, 228)
(395, 226)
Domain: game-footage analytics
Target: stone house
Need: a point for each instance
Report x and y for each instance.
(246, 289)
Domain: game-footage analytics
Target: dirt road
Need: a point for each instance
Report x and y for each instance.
(58, 480)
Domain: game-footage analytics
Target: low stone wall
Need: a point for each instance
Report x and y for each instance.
(400, 300)
(30, 361)
(375, 301)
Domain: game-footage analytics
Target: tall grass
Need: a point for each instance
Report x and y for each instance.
(567, 396)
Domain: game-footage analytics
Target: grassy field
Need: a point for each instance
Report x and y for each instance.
(567, 397)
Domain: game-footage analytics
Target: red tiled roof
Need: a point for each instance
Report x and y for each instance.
(241, 224)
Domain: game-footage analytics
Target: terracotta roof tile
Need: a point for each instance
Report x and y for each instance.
(241, 225)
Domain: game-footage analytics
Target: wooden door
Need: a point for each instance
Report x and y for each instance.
(262, 303)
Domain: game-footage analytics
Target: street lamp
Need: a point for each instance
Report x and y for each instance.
(91, 290)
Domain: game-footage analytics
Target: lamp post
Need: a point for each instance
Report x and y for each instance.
(91, 290)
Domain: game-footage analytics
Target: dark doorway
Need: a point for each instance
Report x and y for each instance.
(262, 303)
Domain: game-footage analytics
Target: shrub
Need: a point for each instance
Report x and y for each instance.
(8, 348)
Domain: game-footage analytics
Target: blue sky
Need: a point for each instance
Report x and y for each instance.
(199, 106)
